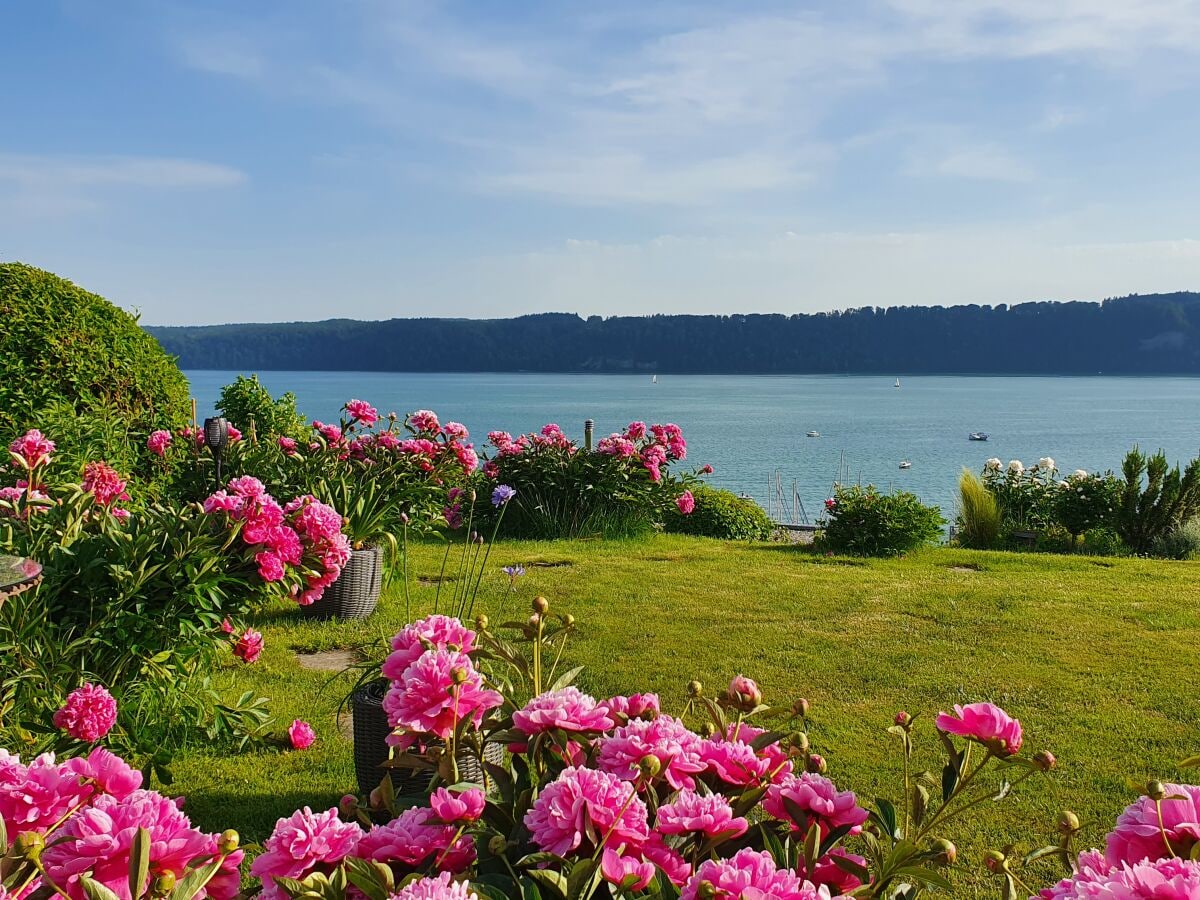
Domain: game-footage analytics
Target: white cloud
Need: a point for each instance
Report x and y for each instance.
(984, 163)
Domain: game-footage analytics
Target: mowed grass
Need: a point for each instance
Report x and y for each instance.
(1097, 657)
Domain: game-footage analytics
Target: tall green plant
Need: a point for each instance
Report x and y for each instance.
(979, 513)
(1156, 499)
(247, 403)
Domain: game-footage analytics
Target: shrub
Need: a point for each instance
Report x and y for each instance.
(721, 514)
(863, 522)
(1103, 542)
(622, 488)
(247, 404)
(1086, 501)
(1182, 542)
(1165, 501)
(1025, 495)
(979, 513)
(61, 343)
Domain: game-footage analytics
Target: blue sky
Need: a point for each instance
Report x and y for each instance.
(266, 161)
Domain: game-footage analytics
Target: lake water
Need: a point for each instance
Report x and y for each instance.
(752, 427)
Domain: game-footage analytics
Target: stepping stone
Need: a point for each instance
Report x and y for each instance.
(327, 660)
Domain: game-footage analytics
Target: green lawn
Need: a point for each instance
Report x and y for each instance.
(1097, 657)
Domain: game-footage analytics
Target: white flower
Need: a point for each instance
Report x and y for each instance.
(992, 464)
(1015, 467)
(1079, 473)
(1046, 462)
(1064, 484)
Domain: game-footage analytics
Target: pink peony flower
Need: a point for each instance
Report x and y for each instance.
(818, 799)
(616, 445)
(410, 841)
(986, 723)
(362, 412)
(635, 431)
(439, 690)
(158, 442)
(627, 872)
(270, 566)
(97, 841)
(227, 626)
(248, 646)
(1137, 835)
(32, 448)
(669, 860)
(441, 887)
(676, 747)
(567, 709)
(686, 503)
(234, 434)
(734, 762)
(89, 713)
(458, 808)
(586, 804)
(302, 843)
(105, 773)
(750, 874)
(706, 469)
(287, 444)
(1096, 879)
(827, 873)
(636, 706)
(424, 421)
(436, 632)
(301, 735)
(104, 483)
(691, 812)
(455, 431)
(744, 693)
(36, 797)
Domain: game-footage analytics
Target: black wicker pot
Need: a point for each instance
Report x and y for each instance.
(371, 731)
(356, 591)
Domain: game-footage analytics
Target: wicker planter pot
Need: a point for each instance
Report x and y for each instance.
(371, 731)
(356, 591)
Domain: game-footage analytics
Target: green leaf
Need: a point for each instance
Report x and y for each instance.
(372, 878)
(949, 781)
(556, 881)
(566, 678)
(139, 862)
(886, 816)
(1192, 762)
(95, 890)
(920, 803)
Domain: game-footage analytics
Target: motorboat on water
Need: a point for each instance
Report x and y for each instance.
(812, 434)
(977, 436)
(905, 464)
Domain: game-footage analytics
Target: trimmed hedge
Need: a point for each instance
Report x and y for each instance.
(61, 344)
(722, 514)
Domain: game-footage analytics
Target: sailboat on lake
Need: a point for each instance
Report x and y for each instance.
(897, 382)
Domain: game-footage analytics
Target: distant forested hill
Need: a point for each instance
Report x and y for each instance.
(1141, 334)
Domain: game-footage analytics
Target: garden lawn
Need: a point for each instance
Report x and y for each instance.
(1097, 657)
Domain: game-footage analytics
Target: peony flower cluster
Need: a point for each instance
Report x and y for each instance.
(567, 709)
(584, 802)
(301, 844)
(1147, 879)
(32, 449)
(158, 442)
(104, 483)
(749, 873)
(89, 713)
(820, 802)
(248, 646)
(676, 747)
(436, 692)
(305, 534)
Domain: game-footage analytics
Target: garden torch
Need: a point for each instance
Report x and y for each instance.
(588, 425)
(216, 438)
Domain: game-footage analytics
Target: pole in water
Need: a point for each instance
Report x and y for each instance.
(588, 426)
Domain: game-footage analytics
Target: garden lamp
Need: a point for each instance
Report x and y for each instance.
(216, 438)
(588, 425)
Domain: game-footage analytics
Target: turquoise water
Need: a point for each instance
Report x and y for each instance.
(750, 427)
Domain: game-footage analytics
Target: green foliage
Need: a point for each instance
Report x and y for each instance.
(721, 514)
(1086, 501)
(863, 522)
(979, 513)
(1182, 542)
(246, 402)
(1153, 508)
(1026, 496)
(61, 344)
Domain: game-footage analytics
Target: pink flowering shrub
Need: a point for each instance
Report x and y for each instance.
(621, 487)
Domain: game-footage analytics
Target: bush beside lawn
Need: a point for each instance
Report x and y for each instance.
(1095, 656)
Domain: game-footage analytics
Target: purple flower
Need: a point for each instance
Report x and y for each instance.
(514, 571)
(502, 494)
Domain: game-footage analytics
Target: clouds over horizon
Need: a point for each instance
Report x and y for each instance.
(899, 151)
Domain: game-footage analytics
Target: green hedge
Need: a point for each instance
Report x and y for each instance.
(722, 514)
(61, 344)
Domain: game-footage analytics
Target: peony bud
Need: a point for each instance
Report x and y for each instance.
(1044, 760)
(569, 620)
(649, 765)
(348, 806)
(743, 694)
(375, 799)
(1156, 791)
(1068, 822)
(163, 884)
(800, 741)
(229, 841)
(706, 890)
(816, 764)
(695, 688)
(945, 852)
(541, 605)
(903, 719)
(497, 846)
(801, 708)
(404, 518)
(481, 622)
(459, 675)
(708, 730)
(30, 844)
(994, 861)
